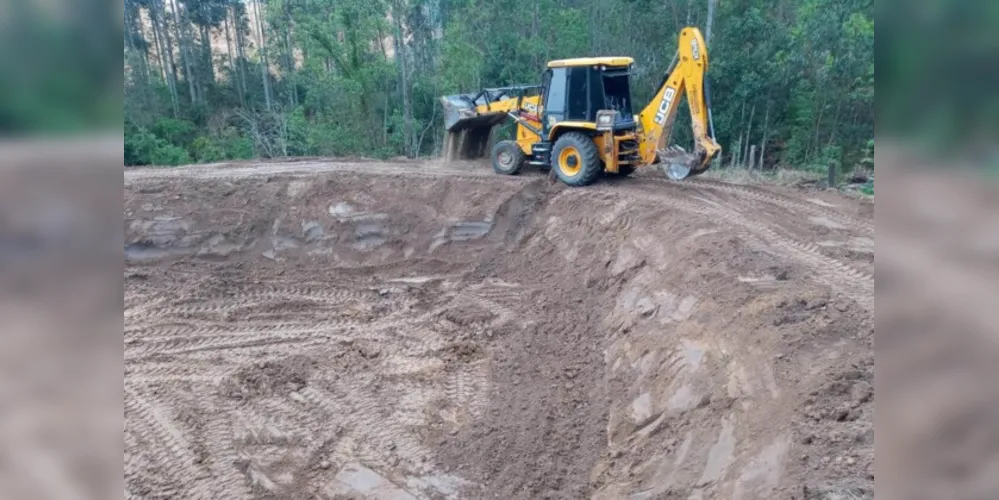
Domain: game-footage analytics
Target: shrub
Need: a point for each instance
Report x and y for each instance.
(176, 132)
(206, 150)
(143, 147)
(168, 154)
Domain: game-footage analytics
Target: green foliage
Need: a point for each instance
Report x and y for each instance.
(174, 131)
(867, 161)
(364, 77)
(168, 154)
(143, 147)
(139, 146)
(238, 148)
(207, 150)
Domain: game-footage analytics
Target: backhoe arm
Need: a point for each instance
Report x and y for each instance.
(657, 118)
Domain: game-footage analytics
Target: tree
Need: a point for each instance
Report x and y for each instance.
(792, 79)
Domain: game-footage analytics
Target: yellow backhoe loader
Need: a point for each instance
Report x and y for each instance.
(579, 121)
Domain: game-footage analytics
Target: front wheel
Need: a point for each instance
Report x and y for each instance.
(576, 160)
(507, 157)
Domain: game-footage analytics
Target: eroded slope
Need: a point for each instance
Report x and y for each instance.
(300, 333)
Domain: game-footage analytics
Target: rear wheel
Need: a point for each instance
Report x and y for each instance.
(576, 160)
(507, 158)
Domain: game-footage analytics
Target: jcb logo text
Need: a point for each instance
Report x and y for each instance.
(664, 105)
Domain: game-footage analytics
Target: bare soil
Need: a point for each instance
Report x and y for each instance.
(319, 329)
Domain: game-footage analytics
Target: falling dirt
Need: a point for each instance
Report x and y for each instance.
(399, 330)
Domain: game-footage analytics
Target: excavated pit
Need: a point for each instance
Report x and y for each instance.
(364, 333)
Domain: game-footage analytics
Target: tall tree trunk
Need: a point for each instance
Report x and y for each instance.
(818, 131)
(749, 132)
(711, 21)
(228, 51)
(233, 74)
(131, 56)
(835, 123)
(766, 134)
(536, 29)
(742, 135)
(400, 55)
(206, 47)
(676, 15)
(158, 18)
(240, 56)
(168, 42)
(290, 60)
(381, 45)
(156, 41)
(185, 53)
(165, 33)
(134, 29)
(264, 65)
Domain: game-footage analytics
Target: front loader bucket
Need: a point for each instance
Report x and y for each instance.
(469, 120)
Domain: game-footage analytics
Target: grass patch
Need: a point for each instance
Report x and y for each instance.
(780, 176)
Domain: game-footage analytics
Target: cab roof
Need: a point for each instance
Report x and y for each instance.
(591, 61)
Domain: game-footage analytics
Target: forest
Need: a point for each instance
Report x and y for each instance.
(792, 81)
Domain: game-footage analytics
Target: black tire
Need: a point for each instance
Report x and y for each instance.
(581, 164)
(507, 158)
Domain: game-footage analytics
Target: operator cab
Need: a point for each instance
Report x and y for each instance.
(574, 90)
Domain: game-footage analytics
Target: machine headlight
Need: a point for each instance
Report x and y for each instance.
(605, 119)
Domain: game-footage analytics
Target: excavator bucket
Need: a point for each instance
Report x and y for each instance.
(469, 118)
(678, 164)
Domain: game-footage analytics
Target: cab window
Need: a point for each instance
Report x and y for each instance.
(578, 101)
(555, 98)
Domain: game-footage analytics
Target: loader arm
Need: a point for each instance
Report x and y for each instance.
(470, 118)
(656, 120)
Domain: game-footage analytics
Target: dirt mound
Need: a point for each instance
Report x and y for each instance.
(268, 377)
(398, 331)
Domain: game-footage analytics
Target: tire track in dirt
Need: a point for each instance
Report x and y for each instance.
(219, 438)
(139, 473)
(262, 294)
(413, 399)
(270, 342)
(392, 364)
(385, 442)
(467, 389)
(141, 309)
(855, 284)
(156, 372)
(206, 328)
(310, 170)
(138, 349)
(260, 442)
(225, 311)
(228, 345)
(168, 450)
(311, 430)
(762, 195)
